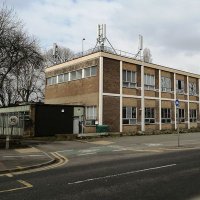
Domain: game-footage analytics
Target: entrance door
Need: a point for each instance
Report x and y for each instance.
(76, 125)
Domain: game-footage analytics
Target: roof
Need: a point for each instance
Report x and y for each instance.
(121, 56)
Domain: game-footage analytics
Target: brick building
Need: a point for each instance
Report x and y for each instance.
(125, 93)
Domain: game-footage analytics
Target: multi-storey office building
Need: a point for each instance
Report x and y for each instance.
(125, 93)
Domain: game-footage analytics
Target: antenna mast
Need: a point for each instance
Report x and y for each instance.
(140, 47)
(56, 57)
(101, 37)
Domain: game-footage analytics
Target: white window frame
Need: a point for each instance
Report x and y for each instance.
(152, 118)
(165, 115)
(193, 115)
(60, 78)
(149, 82)
(52, 80)
(192, 88)
(91, 112)
(91, 72)
(131, 115)
(181, 115)
(132, 83)
(182, 89)
(166, 84)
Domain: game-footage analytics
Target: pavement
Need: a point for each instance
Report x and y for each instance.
(37, 154)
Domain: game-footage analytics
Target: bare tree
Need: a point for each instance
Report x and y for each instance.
(17, 51)
(147, 57)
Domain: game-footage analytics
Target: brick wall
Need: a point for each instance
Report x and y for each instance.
(111, 112)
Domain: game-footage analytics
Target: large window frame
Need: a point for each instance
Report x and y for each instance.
(193, 115)
(51, 80)
(192, 88)
(90, 71)
(150, 115)
(165, 115)
(181, 115)
(180, 86)
(91, 112)
(129, 79)
(149, 82)
(129, 115)
(166, 85)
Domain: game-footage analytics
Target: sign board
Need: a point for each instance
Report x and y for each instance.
(13, 120)
(177, 103)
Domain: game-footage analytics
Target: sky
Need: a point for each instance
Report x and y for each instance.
(170, 28)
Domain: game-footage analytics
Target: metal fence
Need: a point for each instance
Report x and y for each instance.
(7, 129)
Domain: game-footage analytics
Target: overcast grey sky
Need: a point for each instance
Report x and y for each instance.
(171, 28)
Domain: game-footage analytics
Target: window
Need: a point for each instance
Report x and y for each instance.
(166, 115)
(90, 71)
(91, 112)
(193, 115)
(66, 77)
(129, 115)
(60, 78)
(149, 115)
(165, 84)
(52, 80)
(181, 115)
(180, 86)
(129, 79)
(149, 82)
(192, 88)
(76, 75)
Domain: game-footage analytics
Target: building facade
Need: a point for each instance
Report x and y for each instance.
(127, 94)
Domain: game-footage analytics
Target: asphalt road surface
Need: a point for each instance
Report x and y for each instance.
(170, 176)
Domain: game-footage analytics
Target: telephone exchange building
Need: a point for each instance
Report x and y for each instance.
(126, 94)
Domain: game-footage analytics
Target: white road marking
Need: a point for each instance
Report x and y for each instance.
(120, 174)
(85, 154)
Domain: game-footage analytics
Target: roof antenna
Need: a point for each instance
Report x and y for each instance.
(56, 57)
(140, 47)
(101, 37)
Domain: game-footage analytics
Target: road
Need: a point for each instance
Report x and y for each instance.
(168, 175)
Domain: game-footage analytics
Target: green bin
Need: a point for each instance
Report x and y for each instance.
(102, 128)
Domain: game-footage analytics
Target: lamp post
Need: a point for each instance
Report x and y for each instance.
(82, 45)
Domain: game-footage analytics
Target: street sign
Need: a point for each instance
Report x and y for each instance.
(177, 103)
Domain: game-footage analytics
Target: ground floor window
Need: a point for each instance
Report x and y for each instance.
(166, 115)
(181, 115)
(91, 113)
(129, 115)
(149, 115)
(193, 115)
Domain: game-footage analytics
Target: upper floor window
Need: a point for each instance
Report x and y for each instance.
(90, 71)
(165, 84)
(129, 79)
(149, 115)
(60, 78)
(149, 82)
(192, 88)
(181, 115)
(166, 115)
(66, 77)
(52, 80)
(76, 75)
(91, 112)
(193, 115)
(129, 115)
(179, 86)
